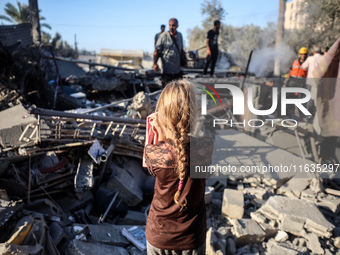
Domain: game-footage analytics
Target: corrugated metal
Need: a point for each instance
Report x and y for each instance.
(11, 34)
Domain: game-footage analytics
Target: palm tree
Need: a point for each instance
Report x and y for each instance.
(19, 15)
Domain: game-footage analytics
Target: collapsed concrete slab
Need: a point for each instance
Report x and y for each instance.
(269, 230)
(215, 243)
(330, 202)
(16, 125)
(274, 249)
(233, 204)
(294, 187)
(77, 247)
(128, 179)
(313, 244)
(258, 193)
(247, 231)
(295, 216)
(133, 218)
(105, 234)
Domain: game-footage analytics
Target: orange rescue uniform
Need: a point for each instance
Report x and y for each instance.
(297, 71)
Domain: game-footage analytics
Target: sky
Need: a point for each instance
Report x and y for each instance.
(132, 24)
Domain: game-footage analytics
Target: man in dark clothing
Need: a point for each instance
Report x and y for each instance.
(158, 34)
(212, 47)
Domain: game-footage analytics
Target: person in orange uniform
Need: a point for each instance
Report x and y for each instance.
(296, 78)
(296, 71)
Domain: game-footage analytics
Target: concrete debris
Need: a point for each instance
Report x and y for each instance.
(337, 242)
(330, 202)
(247, 231)
(269, 230)
(106, 234)
(296, 215)
(128, 177)
(208, 196)
(313, 243)
(293, 187)
(274, 249)
(215, 244)
(133, 218)
(141, 105)
(259, 193)
(78, 247)
(231, 247)
(316, 185)
(233, 204)
(84, 176)
(281, 236)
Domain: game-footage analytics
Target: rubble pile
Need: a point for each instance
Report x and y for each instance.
(59, 170)
(249, 216)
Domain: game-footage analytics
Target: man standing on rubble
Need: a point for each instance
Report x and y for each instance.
(212, 48)
(169, 47)
(158, 34)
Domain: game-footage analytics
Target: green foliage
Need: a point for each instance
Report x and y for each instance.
(62, 48)
(19, 15)
(323, 21)
(213, 10)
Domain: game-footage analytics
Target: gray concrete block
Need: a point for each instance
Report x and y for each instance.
(128, 180)
(77, 247)
(57, 233)
(269, 230)
(299, 211)
(293, 225)
(313, 244)
(309, 195)
(331, 203)
(231, 246)
(294, 187)
(337, 242)
(233, 204)
(208, 195)
(258, 193)
(215, 243)
(258, 217)
(281, 236)
(133, 218)
(247, 231)
(275, 249)
(105, 234)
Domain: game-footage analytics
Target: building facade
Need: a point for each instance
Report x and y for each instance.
(295, 18)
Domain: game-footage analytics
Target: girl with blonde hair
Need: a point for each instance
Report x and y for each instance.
(177, 221)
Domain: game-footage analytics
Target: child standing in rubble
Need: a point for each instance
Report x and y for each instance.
(177, 220)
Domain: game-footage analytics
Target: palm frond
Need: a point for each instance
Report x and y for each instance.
(6, 18)
(46, 25)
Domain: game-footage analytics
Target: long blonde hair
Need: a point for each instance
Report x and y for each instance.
(176, 111)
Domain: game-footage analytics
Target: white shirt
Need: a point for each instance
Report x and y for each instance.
(311, 63)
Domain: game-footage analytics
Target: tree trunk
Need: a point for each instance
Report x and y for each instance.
(279, 35)
(34, 14)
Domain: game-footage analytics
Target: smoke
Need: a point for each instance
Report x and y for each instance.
(223, 63)
(262, 62)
